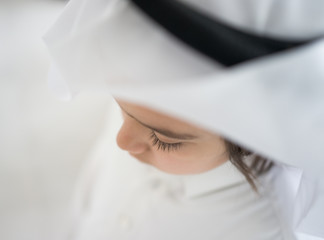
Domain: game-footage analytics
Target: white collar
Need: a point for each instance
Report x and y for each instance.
(223, 176)
(195, 185)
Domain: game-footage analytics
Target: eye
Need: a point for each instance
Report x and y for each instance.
(163, 145)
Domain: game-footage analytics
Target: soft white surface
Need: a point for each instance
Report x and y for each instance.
(43, 141)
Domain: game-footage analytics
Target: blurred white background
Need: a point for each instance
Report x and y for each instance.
(43, 141)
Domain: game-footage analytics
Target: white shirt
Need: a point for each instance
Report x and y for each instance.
(121, 198)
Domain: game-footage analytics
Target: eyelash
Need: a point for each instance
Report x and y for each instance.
(163, 145)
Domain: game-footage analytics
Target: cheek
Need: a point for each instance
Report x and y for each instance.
(214, 153)
(176, 162)
(184, 154)
(189, 159)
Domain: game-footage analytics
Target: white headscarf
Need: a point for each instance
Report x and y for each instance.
(273, 105)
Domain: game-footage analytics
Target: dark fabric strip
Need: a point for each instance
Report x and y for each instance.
(222, 43)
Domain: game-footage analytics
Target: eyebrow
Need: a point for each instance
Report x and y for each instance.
(164, 132)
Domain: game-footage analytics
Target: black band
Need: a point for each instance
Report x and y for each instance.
(222, 43)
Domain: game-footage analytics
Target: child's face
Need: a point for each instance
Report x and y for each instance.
(167, 143)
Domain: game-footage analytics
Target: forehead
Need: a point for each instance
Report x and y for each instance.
(158, 119)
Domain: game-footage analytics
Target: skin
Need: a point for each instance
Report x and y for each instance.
(167, 143)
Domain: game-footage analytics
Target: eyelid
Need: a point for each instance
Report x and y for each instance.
(174, 140)
(161, 145)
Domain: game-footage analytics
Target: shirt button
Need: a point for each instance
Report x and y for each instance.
(156, 183)
(125, 222)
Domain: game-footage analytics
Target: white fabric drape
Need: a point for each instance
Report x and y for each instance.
(273, 105)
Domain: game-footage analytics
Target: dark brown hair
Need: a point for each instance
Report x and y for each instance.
(259, 165)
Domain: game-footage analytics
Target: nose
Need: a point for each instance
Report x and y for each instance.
(132, 137)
